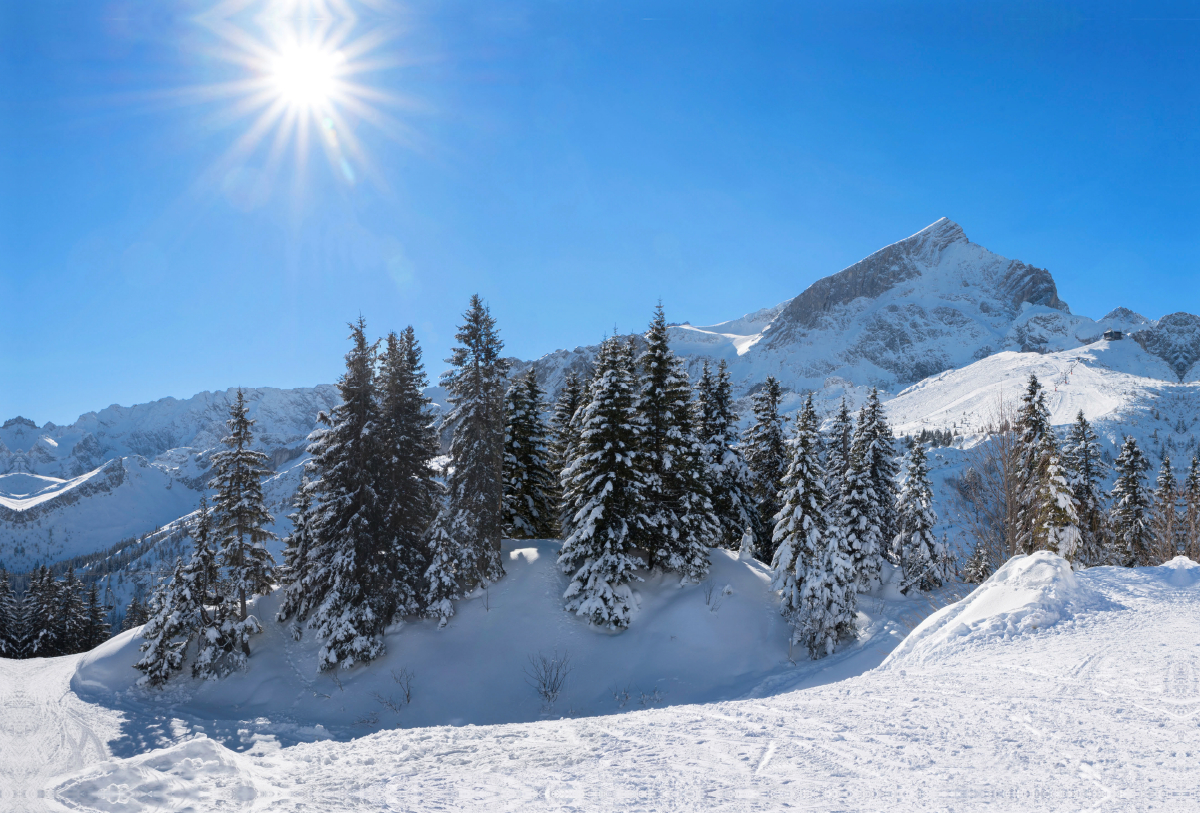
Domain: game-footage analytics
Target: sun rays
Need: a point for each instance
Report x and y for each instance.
(304, 84)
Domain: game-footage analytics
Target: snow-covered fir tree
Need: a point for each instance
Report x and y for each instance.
(407, 489)
(136, 613)
(921, 557)
(40, 616)
(801, 528)
(838, 441)
(72, 615)
(96, 628)
(1085, 466)
(1057, 521)
(812, 564)
(1131, 507)
(858, 510)
(168, 631)
(531, 492)
(682, 520)
(564, 429)
(464, 541)
(240, 527)
(202, 601)
(1032, 426)
(296, 572)
(764, 448)
(349, 552)
(1191, 511)
(876, 435)
(730, 479)
(610, 484)
(10, 626)
(1164, 520)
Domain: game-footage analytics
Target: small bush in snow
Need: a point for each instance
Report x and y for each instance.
(547, 674)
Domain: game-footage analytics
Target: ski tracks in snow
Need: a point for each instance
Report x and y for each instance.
(45, 731)
(1096, 712)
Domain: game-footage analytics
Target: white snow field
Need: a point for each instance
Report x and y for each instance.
(1044, 689)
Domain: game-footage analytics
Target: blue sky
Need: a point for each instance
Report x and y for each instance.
(573, 162)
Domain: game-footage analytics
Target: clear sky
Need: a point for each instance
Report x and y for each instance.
(162, 233)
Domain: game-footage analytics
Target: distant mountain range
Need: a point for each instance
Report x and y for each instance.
(931, 303)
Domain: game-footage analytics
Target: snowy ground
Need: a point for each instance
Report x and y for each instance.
(1044, 690)
(690, 643)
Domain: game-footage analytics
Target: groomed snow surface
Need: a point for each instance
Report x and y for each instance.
(1043, 689)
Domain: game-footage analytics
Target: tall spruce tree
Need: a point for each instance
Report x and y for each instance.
(407, 489)
(464, 542)
(296, 572)
(350, 552)
(136, 613)
(730, 479)
(10, 627)
(1032, 426)
(72, 615)
(1085, 469)
(916, 547)
(202, 599)
(1057, 521)
(564, 438)
(880, 455)
(801, 531)
(531, 491)
(1130, 512)
(838, 441)
(765, 450)
(682, 520)
(41, 616)
(858, 510)
(240, 526)
(168, 630)
(96, 627)
(1191, 515)
(610, 486)
(1164, 520)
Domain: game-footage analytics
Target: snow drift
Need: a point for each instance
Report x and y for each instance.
(1026, 594)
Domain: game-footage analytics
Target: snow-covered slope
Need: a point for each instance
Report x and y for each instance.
(1093, 707)
(1121, 389)
(688, 644)
(44, 519)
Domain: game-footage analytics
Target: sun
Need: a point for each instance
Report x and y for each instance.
(306, 76)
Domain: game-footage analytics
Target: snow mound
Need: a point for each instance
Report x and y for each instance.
(1026, 594)
(688, 643)
(194, 775)
(1182, 572)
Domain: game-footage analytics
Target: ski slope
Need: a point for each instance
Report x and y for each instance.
(1057, 691)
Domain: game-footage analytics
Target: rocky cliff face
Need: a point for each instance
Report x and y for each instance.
(1175, 339)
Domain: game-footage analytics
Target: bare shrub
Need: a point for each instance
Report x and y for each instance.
(547, 674)
(403, 679)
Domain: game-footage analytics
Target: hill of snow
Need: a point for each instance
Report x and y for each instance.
(687, 644)
(1070, 691)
